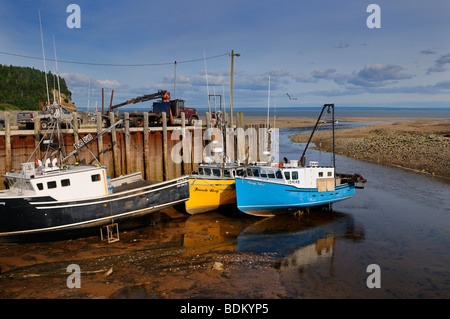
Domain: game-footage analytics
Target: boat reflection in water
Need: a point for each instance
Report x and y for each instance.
(294, 240)
(300, 240)
(214, 231)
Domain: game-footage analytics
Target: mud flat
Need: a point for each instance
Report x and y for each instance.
(421, 144)
(177, 258)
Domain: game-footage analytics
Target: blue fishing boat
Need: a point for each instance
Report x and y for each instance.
(269, 189)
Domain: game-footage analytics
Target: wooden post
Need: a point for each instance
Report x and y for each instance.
(240, 138)
(100, 139)
(197, 147)
(146, 148)
(241, 118)
(230, 135)
(208, 120)
(75, 127)
(7, 142)
(127, 143)
(164, 146)
(208, 126)
(115, 146)
(186, 142)
(37, 135)
(225, 118)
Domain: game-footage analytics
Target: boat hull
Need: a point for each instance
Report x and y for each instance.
(206, 195)
(22, 216)
(265, 199)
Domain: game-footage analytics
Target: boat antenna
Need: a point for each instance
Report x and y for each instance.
(89, 97)
(268, 104)
(61, 146)
(57, 72)
(275, 112)
(43, 54)
(223, 93)
(207, 87)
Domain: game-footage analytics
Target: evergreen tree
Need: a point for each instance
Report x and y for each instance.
(24, 87)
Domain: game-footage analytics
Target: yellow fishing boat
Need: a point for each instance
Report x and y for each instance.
(213, 187)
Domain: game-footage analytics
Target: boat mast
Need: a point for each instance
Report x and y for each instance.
(57, 72)
(43, 55)
(302, 158)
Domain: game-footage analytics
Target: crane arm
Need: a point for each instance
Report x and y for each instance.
(161, 94)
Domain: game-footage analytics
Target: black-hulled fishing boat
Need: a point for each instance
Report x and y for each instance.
(54, 196)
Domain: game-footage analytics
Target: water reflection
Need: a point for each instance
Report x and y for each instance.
(214, 229)
(300, 240)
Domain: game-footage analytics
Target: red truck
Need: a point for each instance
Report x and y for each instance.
(173, 109)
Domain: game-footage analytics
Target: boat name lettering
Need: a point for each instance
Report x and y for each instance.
(83, 141)
(181, 183)
(212, 190)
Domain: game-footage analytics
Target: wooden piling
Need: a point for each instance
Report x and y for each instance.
(115, 147)
(240, 138)
(146, 148)
(127, 143)
(75, 127)
(7, 142)
(100, 139)
(186, 146)
(37, 136)
(230, 138)
(164, 146)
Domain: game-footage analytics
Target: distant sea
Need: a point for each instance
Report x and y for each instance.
(340, 111)
(313, 112)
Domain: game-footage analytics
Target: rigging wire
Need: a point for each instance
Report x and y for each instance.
(114, 64)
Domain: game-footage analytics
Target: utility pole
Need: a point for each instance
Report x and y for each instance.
(231, 85)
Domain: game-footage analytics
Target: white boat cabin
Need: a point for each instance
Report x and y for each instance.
(215, 171)
(312, 176)
(62, 183)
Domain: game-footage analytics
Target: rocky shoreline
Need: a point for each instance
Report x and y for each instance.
(422, 144)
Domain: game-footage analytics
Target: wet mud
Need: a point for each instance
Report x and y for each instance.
(202, 256)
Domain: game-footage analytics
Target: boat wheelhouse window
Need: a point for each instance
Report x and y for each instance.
(263, 173)
(294, 175)
(240, 172)
(271, 174)
(256, 172)
(278, 175)
(95, 178)
(200, 171)
(19, 183)
(330, 174)
(207, 171)
(320, 174)
(287, 175)
(65, 182)
(227, 173)
(51, 184)
(216, 172)
(40, 186)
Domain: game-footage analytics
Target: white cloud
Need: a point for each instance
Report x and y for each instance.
(77, 81)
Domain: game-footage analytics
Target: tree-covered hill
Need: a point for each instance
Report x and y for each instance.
(24, 87)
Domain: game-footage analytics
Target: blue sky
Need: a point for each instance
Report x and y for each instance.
(319, 51)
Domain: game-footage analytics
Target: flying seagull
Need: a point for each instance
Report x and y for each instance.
(291, 98)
